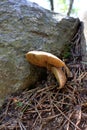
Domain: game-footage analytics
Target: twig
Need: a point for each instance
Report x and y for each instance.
(66, 117)
(22, 127)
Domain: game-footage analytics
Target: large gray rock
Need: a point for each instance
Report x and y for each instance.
(26, 26)
(84, 37)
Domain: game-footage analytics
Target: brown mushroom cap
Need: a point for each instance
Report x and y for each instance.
(45, 59)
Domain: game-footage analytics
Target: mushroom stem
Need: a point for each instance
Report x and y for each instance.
(60, 76)
(68, 72)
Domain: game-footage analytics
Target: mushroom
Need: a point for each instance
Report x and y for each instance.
(51, 62)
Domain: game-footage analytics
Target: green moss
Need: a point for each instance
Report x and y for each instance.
(66, 52)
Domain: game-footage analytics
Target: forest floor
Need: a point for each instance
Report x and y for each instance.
(46, 107)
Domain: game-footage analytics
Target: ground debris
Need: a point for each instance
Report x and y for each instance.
(47, 108)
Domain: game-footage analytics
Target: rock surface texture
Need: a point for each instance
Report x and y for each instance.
(26, 26)
(84, 39)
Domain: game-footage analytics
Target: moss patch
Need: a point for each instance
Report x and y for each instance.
(66, 51)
